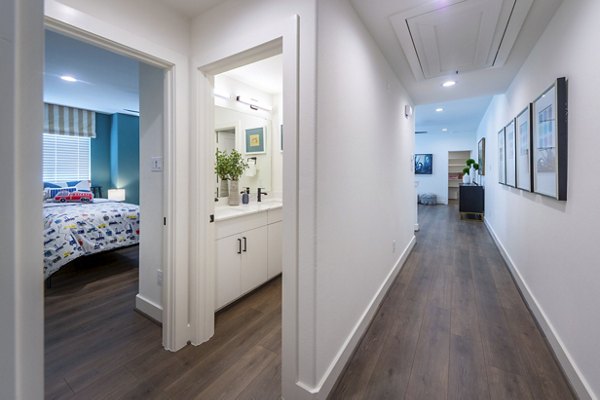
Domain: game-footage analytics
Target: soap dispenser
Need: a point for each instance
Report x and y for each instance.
(246, 196)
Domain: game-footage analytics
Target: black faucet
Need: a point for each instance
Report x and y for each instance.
(260, 194)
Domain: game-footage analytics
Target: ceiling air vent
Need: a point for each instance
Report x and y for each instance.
(445, 37)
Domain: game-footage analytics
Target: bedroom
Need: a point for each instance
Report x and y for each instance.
(114, 87)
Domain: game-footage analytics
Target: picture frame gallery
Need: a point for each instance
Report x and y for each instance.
(533, 146)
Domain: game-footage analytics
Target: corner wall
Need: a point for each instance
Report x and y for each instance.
(552, 246)
(439, 144)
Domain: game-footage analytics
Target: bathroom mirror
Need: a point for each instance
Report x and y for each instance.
(230, 133)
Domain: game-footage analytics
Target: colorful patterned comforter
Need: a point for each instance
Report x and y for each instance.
(73, 230)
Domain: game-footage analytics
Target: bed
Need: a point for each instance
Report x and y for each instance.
(72, 230)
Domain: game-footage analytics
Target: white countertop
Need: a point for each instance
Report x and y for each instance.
(227, 212)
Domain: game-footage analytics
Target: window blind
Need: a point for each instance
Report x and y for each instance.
(63, 120)
(66, 158)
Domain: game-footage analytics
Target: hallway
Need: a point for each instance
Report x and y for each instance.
(453, 326)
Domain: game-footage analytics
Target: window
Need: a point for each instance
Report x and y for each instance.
(66, 158)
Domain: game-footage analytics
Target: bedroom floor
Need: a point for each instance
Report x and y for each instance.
(97, 346)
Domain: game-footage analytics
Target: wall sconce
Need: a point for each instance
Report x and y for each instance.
(116, 194)
(251, 171)
(253, 103)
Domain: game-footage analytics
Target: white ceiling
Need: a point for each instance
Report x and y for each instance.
(378, 15)
(265, 75)
(107, 83)
(459, 116)
(190, 8)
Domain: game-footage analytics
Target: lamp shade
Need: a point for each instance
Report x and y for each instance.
(116, 194)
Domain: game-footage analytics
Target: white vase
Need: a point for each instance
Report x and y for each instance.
(466, 178)
(224, 188)
(473, 174)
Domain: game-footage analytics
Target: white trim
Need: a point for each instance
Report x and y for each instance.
(576, 378)
(341, 359)
(148, 307)
(61, 18)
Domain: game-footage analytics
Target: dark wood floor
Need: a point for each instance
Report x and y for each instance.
(97, 347)
(452, 326)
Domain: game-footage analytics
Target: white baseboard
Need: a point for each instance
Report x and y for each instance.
(321, 391)
(148, 308)
(578, 382)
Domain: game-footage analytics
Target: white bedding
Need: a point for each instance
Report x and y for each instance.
(72, 230)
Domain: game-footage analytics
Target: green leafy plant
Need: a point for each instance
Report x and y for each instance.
(470, 162)
(236, 165)
(476, 166)
(466, 171)
(222, 165)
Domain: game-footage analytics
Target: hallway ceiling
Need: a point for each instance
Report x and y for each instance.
(426, 42)
(191, 8)
(458, 116)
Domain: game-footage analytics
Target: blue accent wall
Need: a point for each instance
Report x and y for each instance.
(100, 153)
(125, 155)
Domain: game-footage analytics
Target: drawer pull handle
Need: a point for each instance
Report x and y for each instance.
(245, 244)
(239, 246)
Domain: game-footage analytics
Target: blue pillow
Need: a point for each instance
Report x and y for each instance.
(51, 185)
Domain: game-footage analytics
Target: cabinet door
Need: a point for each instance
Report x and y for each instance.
(228, 270)
(275, 261)
(254, 258)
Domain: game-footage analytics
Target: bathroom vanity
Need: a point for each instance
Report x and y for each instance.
(248, 244)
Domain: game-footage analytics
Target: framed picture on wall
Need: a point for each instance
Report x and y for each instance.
(281, 137)
(423, 164)
(550, 134)
(523, 140)
(509, 150)
(481, 156)
(501, 158)
(255, 141)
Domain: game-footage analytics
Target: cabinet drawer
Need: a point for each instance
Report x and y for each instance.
(234, 226)
(275, 215)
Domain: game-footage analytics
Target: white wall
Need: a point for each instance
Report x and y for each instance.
(365, 191)
(149, 299)
(439, 144)
(351, 202)
(21, 288)
(553, 246)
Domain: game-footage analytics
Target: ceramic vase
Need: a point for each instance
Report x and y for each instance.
(234, 193)
(466, 178)
(224, 188)
(473, 174)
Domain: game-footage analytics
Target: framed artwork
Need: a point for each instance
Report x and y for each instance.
(549, 120)
(423, 164)
(255, 141)
(481, 156)
(280, 137)
(523, 140)
(509, 150)
(501, 158)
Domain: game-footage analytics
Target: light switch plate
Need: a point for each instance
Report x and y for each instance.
(157, 164)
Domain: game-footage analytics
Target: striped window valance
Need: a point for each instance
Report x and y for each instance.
(63, 120)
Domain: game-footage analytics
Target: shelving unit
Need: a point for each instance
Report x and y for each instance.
(456, 163)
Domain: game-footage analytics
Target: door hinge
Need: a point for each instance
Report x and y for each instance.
(212, 218)
(165, 221)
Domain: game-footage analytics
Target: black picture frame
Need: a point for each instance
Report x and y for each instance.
(524, 143)
(423, 164)
(501, 158)
(510, 154)
(550, 141)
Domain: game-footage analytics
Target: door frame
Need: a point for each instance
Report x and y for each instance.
(175, 326)
(203, 255)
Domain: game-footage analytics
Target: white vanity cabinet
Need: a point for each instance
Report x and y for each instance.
(248, 253)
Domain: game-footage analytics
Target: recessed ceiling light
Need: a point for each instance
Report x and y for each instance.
(444, 129)
(448, 83)
(439, 109)
(68, 78)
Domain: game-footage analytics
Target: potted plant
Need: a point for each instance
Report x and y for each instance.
(235, 168)
(475, 167)
(466, 175)
(470, 162)
(222, 171)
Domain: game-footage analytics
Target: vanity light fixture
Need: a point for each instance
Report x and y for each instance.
(68, 78)
(439, 109)
(253, 103)
(448, 84)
